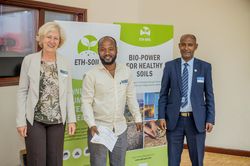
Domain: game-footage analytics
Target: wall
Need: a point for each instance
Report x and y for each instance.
(223, 32)
(10, 142)
(107, 11)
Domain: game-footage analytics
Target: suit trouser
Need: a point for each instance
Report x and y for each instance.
(196, 142)
(44, 144)
(98, 152)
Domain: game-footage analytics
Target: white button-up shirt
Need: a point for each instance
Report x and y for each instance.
(104, 98)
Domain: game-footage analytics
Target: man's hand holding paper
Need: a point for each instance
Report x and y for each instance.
(103, 135)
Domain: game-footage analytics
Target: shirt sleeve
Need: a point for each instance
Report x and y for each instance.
(132, 100)
(70, 102)
(87, 99)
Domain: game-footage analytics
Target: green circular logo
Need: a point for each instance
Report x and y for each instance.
(87, 45)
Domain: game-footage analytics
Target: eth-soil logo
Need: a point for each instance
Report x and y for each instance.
(87, 46)
(145, 33)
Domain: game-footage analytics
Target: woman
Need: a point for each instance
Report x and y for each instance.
(45, 100)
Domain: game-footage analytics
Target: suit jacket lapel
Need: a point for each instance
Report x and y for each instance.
(178, 71)
(196, 70)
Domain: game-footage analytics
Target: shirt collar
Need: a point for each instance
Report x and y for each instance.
(101, 66)
(190, 62)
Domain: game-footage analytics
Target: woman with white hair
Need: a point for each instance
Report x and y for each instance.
(45, 100)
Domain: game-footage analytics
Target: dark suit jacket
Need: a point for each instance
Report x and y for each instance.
(202, 97)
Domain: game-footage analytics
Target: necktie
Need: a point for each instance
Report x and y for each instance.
(184, 99)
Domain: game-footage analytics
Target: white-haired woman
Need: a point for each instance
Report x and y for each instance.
(45, 100)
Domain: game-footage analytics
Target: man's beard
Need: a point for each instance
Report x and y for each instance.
(108, 63)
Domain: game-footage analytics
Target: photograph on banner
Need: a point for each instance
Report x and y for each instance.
(153, 135)
(135, 138)
(150, 109)
(81, 49)
(128, 115)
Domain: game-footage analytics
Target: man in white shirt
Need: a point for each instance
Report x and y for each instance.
(106, 90)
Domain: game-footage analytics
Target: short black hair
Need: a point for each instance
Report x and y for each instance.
(105, 38)
(188, 35)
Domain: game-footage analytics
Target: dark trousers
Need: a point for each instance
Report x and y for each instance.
(44, 144)
(195, 141)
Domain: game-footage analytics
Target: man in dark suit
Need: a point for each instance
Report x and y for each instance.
(186, 103)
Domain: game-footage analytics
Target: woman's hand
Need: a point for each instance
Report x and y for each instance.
(71, 128)
(22, 131)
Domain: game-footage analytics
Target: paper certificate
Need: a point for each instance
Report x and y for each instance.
(105, 137)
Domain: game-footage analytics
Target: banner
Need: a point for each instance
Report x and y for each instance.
(80, 49)
(144, 48)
